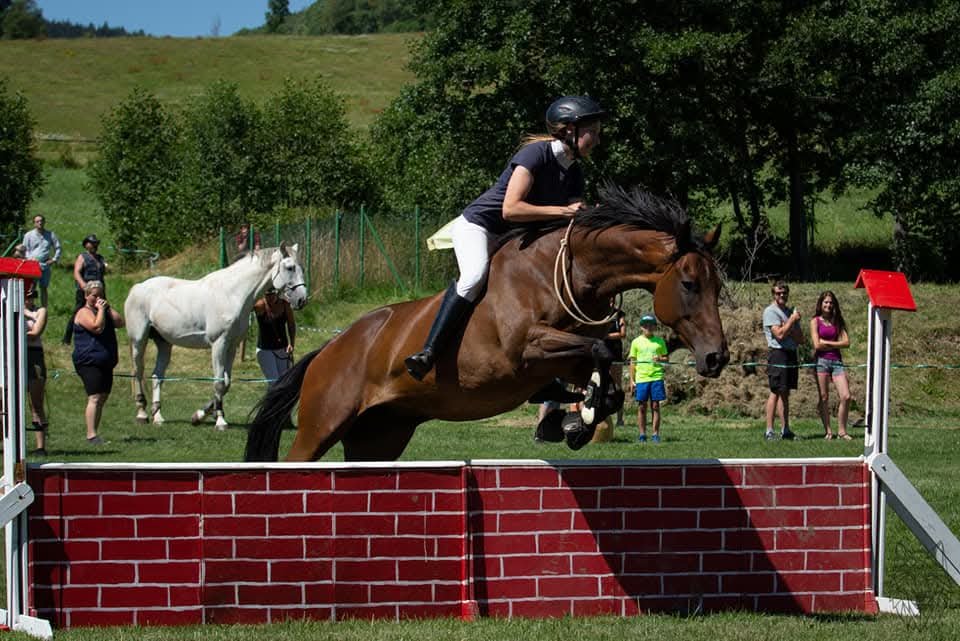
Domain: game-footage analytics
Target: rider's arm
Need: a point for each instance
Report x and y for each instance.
(517, 210)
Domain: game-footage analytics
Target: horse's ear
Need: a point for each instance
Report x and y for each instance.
(283, 248)
(712, 237)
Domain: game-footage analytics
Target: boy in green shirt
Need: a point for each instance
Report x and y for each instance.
(647, 355)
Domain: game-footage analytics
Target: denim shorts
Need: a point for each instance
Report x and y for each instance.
(829, 366)
(651, 391)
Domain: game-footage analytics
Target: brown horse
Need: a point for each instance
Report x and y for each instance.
(520, 336)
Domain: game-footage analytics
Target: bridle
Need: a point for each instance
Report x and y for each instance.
(559, 267)
(281, 289)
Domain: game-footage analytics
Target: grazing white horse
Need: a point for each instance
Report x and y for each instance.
(211, 312)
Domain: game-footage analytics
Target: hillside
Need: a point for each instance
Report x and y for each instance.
(71, 83)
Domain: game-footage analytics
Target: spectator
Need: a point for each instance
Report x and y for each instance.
(88, 266)
(43, 246)
(36, 321)
(95, 352)
(243, 240)
(277, 333)
(647, 355)
(781, 327)
(19, 251)
(614, 340)
(828, 333)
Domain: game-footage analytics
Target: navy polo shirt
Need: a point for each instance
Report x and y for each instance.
(552, 185)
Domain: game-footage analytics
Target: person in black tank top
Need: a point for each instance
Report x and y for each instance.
(88, 266)
(277, 331)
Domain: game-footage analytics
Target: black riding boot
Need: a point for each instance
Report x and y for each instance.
(453, 310)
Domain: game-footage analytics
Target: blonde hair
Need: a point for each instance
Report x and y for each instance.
(92, 285)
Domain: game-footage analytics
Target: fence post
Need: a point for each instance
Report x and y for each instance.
(309, 248)
(416, 249)
(336, 251)
(363, 214)
(223, 248)
(386, 256)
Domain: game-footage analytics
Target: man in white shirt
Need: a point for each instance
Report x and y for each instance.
(42, 246)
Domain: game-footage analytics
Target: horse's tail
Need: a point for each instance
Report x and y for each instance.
(273, 412)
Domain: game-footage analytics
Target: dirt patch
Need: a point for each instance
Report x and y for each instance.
(741, 390)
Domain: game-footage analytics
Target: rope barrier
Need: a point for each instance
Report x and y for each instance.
(56, 373)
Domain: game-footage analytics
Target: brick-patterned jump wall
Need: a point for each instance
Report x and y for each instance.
(175, 545)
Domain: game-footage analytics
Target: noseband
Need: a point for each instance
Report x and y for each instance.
(563, 265)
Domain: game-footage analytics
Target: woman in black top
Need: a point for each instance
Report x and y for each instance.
(95, 352)
(277, 332)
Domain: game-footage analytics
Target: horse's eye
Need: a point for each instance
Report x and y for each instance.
(289, 268)
(689, 285)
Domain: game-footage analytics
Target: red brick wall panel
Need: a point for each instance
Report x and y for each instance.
(213, 545)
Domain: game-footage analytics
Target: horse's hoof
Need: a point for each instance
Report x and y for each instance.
(576, 433)
(197, 417)
(157, 419)
(141, 420)
(587, 414)
(222, 427)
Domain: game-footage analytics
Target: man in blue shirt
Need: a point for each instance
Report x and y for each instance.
(781, 327)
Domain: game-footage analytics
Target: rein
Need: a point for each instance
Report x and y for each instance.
(558, 267)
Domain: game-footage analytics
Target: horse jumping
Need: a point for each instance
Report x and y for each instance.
(520, 336)
(213, 312)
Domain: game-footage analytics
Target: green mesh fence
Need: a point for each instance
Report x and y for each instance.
(354, 250)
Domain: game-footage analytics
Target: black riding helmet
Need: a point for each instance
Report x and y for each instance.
(575, 110)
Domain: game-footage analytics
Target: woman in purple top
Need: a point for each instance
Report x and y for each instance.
(829, 334)
(543, 181)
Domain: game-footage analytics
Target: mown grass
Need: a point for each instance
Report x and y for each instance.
(733, 627)
(70, 84)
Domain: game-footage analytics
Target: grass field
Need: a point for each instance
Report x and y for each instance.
(71, 83)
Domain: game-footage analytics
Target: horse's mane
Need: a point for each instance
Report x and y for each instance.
(635, 208)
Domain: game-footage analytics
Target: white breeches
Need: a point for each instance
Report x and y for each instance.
(472, 245)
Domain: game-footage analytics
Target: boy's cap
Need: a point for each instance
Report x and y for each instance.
(647, 319)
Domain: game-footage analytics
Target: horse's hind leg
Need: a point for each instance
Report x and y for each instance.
(380, 434)
(137, 347)
(327, 411)
(164, 350)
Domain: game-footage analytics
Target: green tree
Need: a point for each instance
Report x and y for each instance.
(136, 175)
(308, 154)
(221, 157)
(21, 172)
(277, 12)
(23, 19)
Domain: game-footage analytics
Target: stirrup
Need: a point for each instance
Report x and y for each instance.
(419, 364)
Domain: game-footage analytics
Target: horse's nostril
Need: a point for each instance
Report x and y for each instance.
(716, 360)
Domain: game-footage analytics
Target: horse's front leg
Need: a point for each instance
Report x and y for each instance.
(546, 344)
(222, 354)
(549, 344)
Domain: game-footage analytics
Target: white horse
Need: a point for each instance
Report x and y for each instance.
(211, 312)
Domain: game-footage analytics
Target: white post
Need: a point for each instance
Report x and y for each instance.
(17, 495)
(879, 325)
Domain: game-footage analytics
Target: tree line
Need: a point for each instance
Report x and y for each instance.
(740, 105)
(20, 19)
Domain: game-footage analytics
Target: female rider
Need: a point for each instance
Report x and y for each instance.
(542, 181)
